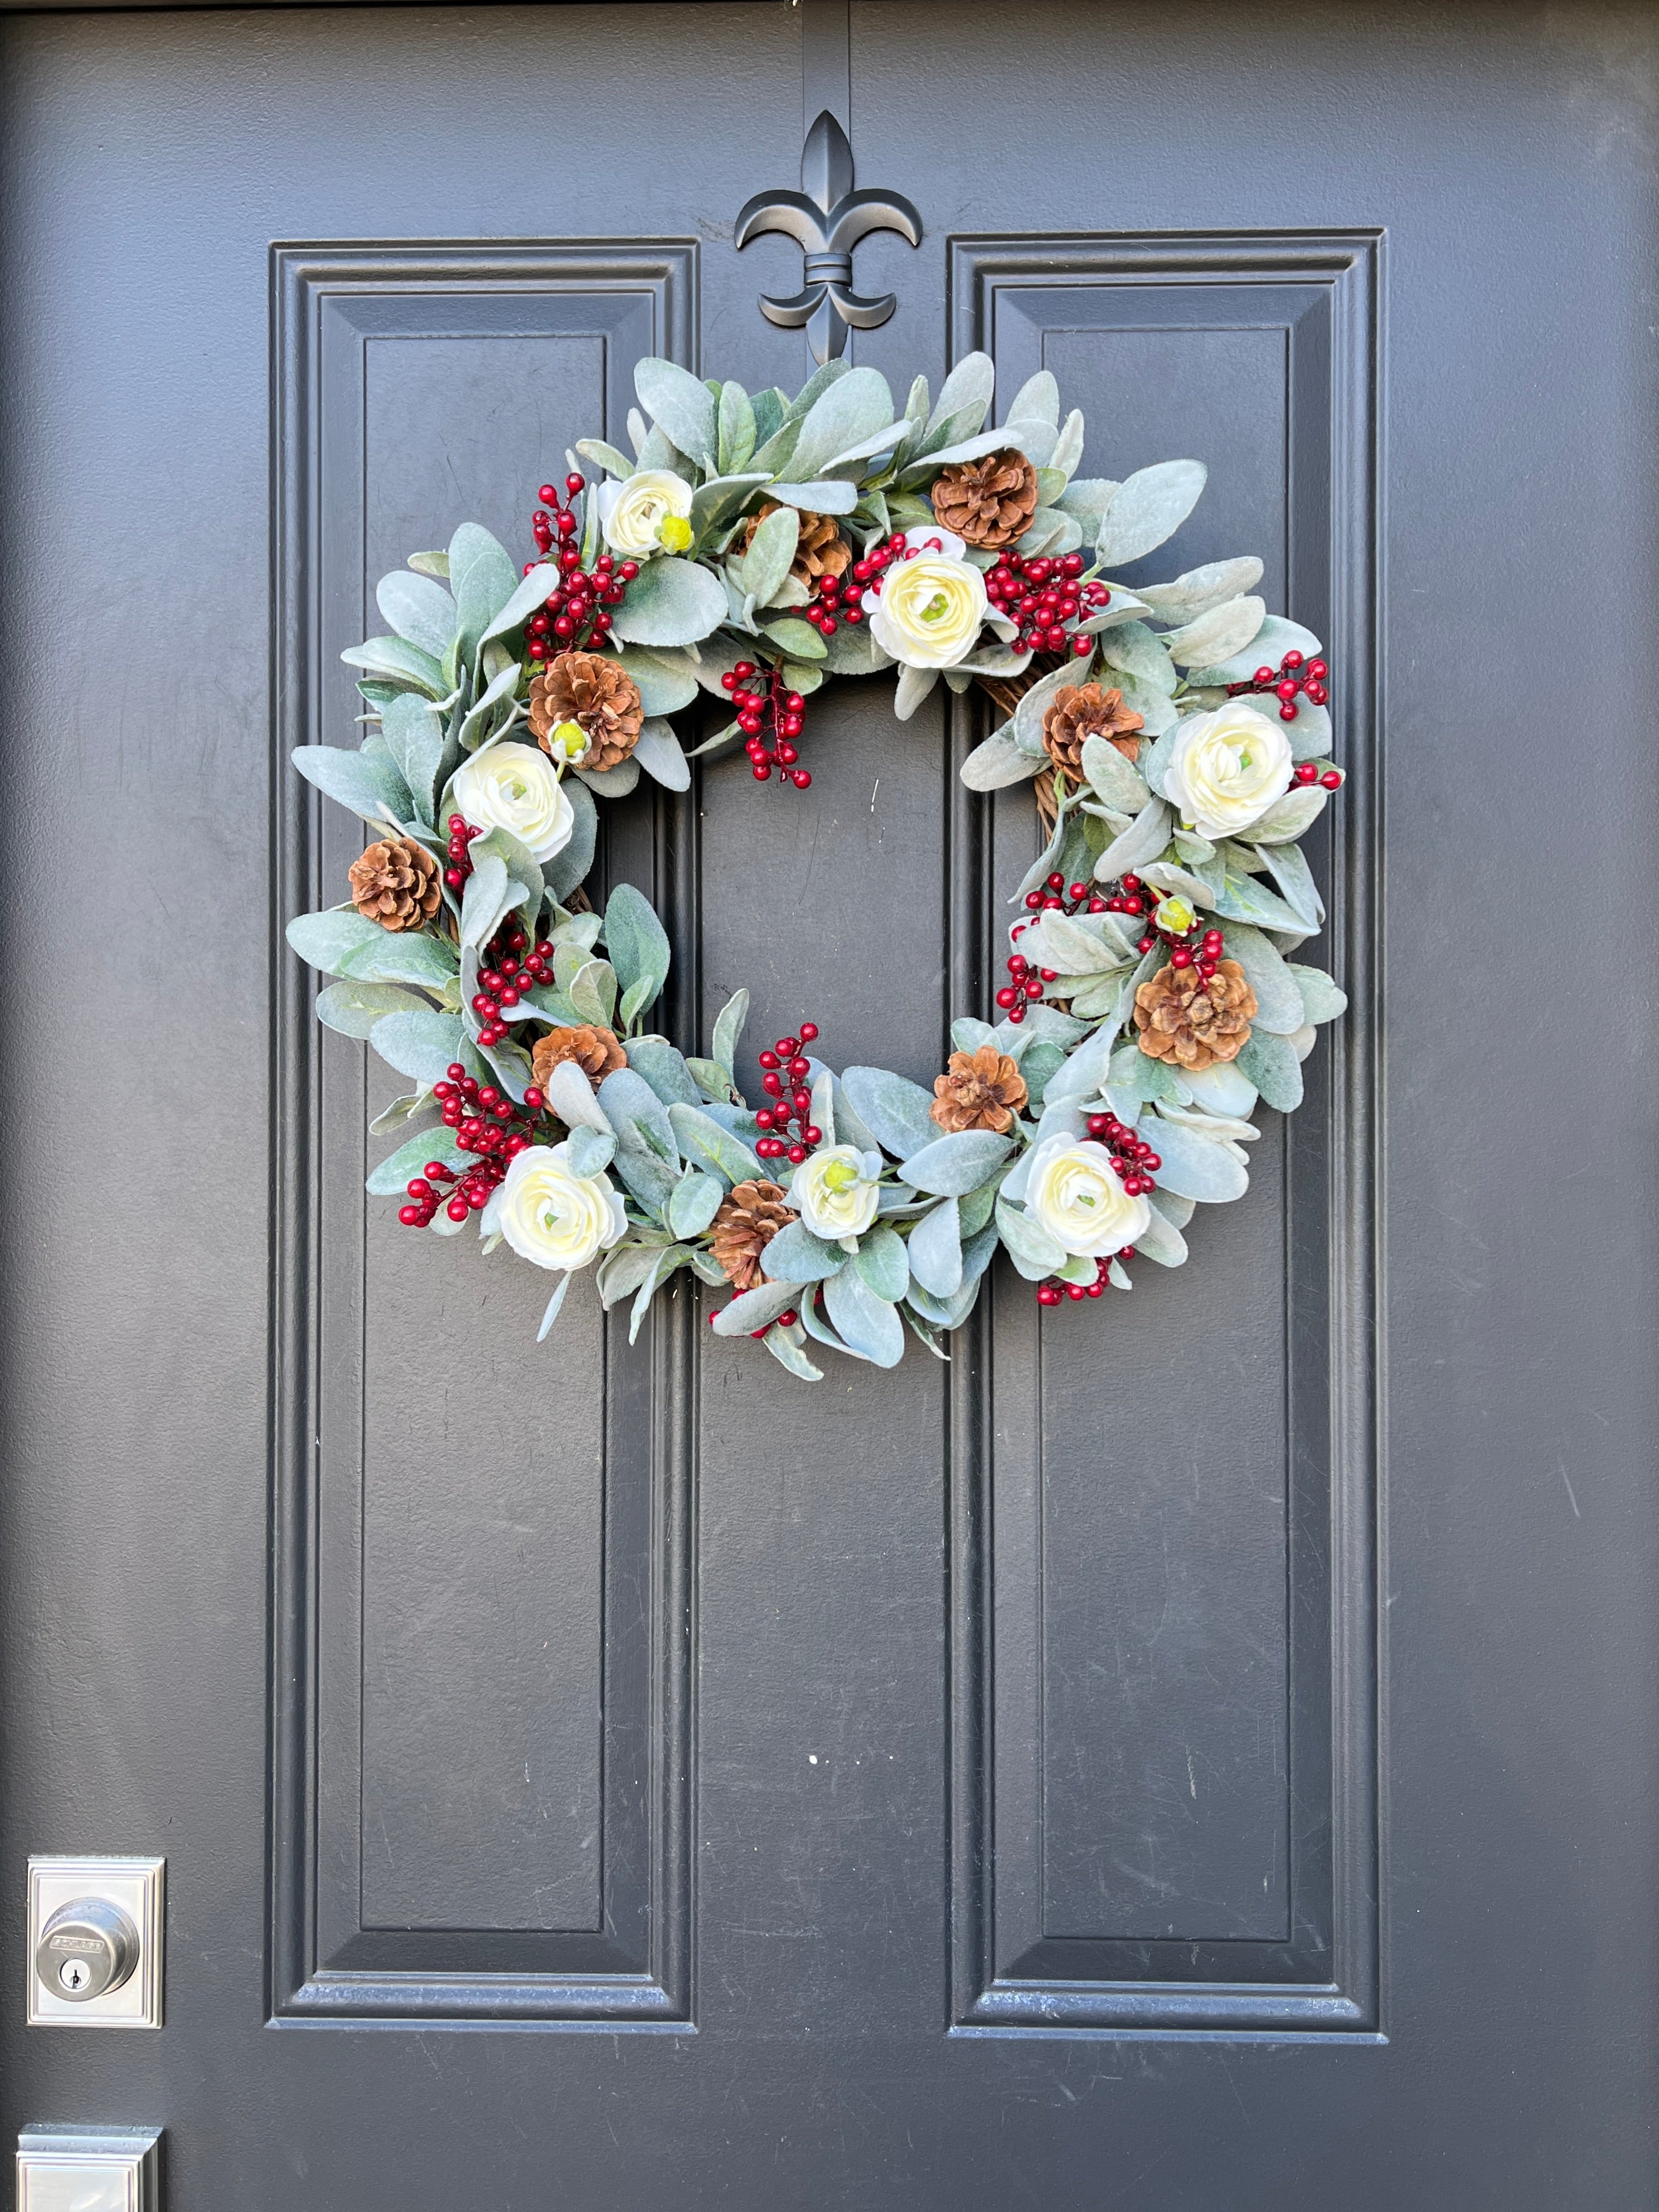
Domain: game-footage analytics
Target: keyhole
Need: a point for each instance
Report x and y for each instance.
(75, 1974)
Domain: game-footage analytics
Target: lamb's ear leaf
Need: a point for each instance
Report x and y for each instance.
(366, 782)
(754, 1309)
(1146, 508)
(868, 1324)
(483, 577)
(328, 940)
(567, 869)
(935, 1250)
(728, 1030)
(637, 944)
(684, 405)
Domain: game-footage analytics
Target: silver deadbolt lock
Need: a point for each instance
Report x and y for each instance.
(85, 1950)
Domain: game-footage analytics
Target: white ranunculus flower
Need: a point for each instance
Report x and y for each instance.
(931, 604)
(1078, 1197)
(513, 787)
(645, 514)
(1227, 768)
(551, 1216)
(835, 1192)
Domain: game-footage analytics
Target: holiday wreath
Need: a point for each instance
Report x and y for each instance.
(753, 547)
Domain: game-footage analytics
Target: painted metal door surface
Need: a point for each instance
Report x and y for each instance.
(1195, 1751)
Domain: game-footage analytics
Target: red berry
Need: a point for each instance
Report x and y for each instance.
(800, 778)
(1291, 659)
(808, 1031)
(1332, 779)
(1288, 713)
(1264, 676)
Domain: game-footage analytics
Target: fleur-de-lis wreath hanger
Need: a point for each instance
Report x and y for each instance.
(827, 218)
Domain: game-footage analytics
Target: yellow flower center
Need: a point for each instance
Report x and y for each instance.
(840, 1174)
(936, 609)
(674, 533)
(571, 739)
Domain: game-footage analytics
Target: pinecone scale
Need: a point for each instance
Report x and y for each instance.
(988, 502)
(599, 697)
(982, 1090)
(745, 1225)
(396, 882)
(1192, 1021)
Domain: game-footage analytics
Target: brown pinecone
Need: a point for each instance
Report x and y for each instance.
(1086, 710)
(395, 884)
(1183, 1018)
(745, 1226)
(600, 698)
(982, 1090)
(988, 502)
(594, 1050)
(820, 549)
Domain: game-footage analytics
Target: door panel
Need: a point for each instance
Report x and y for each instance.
(1194, 1754)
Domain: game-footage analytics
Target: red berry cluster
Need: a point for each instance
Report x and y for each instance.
(1134, 1160)
(836, 602)
(486, 1123)
(787, 1064)
(512, 966)
(1045, 597)
(1309, 772)
(1294, 678)
(461, 834)
(1026, 982)
(768, 710)
(577, 610)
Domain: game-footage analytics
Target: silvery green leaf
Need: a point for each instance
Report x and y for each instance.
(1200, 589)
(667, 681)
(761, 571)
(404, 663)
(1033, 705)
(1068, 446)
(636, 940)
(1243, 899)
(1196, 851)
(1141, 842)
(354, 1008)
(1138, 651)
(1118, 782)
(622, 1270)
(1146, 508)
(659, 752)
(663, 1069)
(1045, 1022)
(1278, 1002)
(879, 442)
(806, 398)
(897, 1111)
(1218, 635)
(935, 1250)
(670, 602)
(1076, 943)
(1031, 436)
(796, 638)
(570, 1096)
(898, 1202)
(605, 457)
(965, 445)
(795, 1255)
(1084, 1070)
(1168, 876)
(957, 1162)
(823, 1106)
(528, 597)
(420, 610)
(1158, 712)
(969, 384)
(1270, 1062)
(1293, 815)
(1034, 1252)
(1123, 606)
(975, 1207)
(712, 1078)
(1275, 638)
(635, 1109)
(1176, 1210)
(734, 419)
(393, 1175)
(1288, 866)
(611, 783)
(483, 577)
(999, 761)
(1220, 1089)
(328, 941)
(550, 1313)
(482, 717)
(401, 1110)
(487, 898)
(868, 1324)
(430, 564)
(366, 782)
(849, 1128)
(880, 1261)
(728, 1030)
(420, 1043)
(846, 413)
(852, 653)
(913, 686)
(1042, 1058)
(967, 1035)
(510, 1066)
(703, 1139)
(404, 955)
(1311, 732)
(1052, 532)
(1093, 996)
(755, 1308)
(780, 1343)
(831, 495)
(1154, 764)
(682, 405)
(696, 1199)
(591, 1149)
(1039, 396)
(566, 869)
(1322, 1001)
(1086, 499)
(1195, 1167)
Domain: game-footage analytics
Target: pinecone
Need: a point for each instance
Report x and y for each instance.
(820, 549)
(594, 1050)
(1085, 710)
(982, 1090)
(744, 1227)
(988, 502)
(1183, 1019)
(595, 693)
(395, 884)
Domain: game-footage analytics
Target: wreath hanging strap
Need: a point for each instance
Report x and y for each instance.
(1178, 737)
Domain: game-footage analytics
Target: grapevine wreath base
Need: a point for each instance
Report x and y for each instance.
(753, 547)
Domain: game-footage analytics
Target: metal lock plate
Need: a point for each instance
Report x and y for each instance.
(89, 2170)
(94, 1940)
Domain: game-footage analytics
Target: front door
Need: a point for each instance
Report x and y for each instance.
(1191, 1750)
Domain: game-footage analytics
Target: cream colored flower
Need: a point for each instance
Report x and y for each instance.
(551, 1216)
(513, 787)
(646, 512)
(931, 604)
(1227, 768)
(1078, 1197)
(835, 1192)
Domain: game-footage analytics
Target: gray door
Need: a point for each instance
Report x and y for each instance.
(1193, 1753)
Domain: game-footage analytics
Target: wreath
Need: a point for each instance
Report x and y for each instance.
(753, 547)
